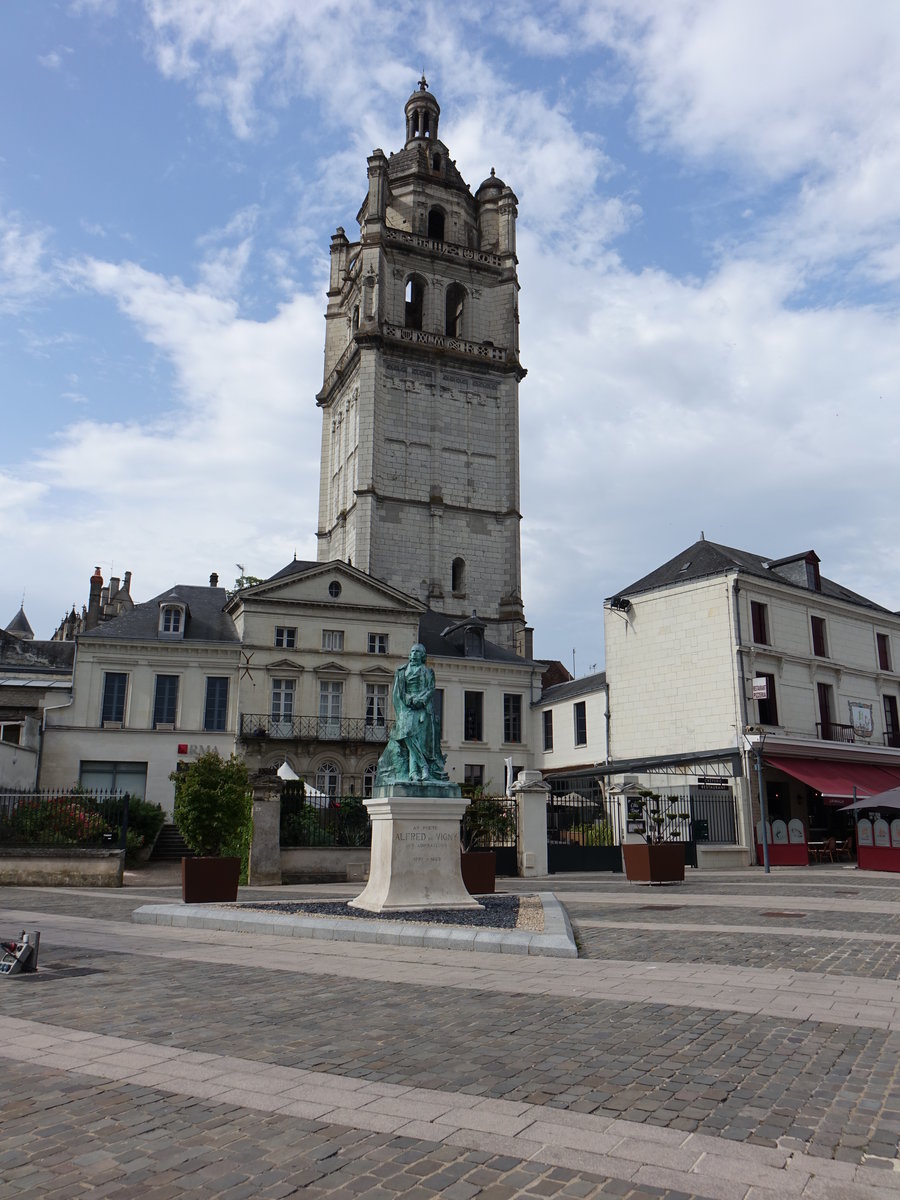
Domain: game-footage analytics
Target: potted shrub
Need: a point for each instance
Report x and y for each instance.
(488, 821)
(213, 813)
(659, 858)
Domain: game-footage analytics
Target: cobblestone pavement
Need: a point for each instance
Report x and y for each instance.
(829, 954)
(162, 1063)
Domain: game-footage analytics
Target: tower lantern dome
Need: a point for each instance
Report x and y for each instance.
(422, 114)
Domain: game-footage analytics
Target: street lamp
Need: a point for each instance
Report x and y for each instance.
(764, 816)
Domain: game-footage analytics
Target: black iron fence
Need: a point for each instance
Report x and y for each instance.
(315, 729)
(323, 821)
(491, 823)
(65, 817)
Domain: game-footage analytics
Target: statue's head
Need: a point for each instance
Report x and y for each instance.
(417, 653)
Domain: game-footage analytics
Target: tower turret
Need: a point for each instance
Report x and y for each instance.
(422, 114)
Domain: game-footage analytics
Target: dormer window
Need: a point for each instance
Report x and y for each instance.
(171, 620)
(474, 642)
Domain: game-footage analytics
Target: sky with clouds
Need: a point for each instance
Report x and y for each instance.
(709, 254)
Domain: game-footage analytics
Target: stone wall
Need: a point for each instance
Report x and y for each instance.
(21, 867)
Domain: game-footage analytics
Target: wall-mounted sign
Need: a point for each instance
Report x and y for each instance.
(861, 718)
(760, 688)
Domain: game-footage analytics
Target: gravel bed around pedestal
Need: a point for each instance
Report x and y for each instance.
(499, 912)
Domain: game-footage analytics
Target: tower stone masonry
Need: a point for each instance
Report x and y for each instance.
(419, 481)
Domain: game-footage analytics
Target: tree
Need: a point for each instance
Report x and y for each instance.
(212, 804)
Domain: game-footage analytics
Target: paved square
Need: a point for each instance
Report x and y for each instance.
(735, 1037)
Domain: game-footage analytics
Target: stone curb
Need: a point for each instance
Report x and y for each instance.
(556, 941)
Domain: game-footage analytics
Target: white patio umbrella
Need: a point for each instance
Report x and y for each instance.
(888, 799)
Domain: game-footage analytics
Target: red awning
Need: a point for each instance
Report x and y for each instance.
(836, 780)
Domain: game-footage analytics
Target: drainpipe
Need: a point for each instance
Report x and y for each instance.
(52, 708)
(744, 726)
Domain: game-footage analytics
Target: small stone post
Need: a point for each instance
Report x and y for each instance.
(531, 795)
(265, 842)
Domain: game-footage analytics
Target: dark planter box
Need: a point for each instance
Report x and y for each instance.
(209, 880)
(479, 871)
(654, 863)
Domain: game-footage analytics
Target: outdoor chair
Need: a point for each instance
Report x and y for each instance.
(844, 850)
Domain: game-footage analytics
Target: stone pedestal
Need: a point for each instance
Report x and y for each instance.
(415, 853)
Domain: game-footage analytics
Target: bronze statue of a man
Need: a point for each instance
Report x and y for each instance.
(413, 753)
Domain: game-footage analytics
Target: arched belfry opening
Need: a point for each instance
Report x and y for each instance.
(414, 302)
(458, 577)
(455, 304)
(422, 115)
(436, 224)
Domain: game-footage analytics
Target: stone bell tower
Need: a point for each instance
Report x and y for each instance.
(420, 425)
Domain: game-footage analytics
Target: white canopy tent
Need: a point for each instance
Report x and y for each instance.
(289, 775)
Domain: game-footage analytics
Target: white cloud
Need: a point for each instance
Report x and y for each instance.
(24, 271)
(229, 468)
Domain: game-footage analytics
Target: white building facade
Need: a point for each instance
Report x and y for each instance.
(720, 653)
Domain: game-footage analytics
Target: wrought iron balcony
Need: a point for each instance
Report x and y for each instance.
(314, 729)
(831, 731)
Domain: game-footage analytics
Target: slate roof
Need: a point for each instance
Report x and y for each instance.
(572, 688)
(706, 560)
(431, 628)
(28, 657)
(20, 624)
(206, 620)
(415, 159)
(297, 567)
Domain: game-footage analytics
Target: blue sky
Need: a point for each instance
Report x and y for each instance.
(709, 245)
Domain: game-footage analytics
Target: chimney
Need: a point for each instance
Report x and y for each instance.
(104, 599)
(113, 587)
(92, 618)
(126, 587)
(214, 580)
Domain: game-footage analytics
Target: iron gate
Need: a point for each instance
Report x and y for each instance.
(582, 830)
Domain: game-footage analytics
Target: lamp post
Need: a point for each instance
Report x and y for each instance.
(763, 813)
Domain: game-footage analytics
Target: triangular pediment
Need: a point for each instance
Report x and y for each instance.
(284, 664)
(377, 675)
(331, 668)
(329, 587)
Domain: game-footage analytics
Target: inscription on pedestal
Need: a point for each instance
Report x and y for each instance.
(424, 844)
